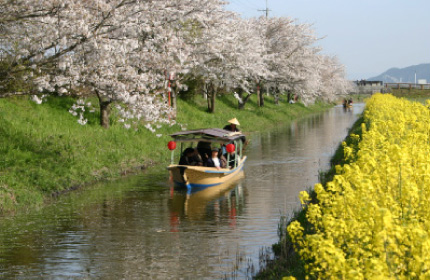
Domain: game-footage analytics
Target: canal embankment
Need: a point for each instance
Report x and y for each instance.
(365, 219)
(46, 152)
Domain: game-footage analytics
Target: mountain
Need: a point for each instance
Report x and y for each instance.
(405, 75)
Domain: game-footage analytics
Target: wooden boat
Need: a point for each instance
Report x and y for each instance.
(194, 204)
(347, 104)
(199, 177)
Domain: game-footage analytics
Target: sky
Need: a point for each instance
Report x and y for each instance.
(368, 37)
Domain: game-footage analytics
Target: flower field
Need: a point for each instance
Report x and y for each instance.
(373, 220)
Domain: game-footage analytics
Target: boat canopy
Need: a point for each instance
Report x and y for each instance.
(207, 135)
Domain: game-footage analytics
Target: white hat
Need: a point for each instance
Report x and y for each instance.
(234, 121)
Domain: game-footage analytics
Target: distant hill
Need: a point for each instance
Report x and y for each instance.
(405, 75)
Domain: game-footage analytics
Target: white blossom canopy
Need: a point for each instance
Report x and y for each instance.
(122, 50)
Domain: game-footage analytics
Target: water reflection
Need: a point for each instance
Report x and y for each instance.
(212, 202)
(140, 228)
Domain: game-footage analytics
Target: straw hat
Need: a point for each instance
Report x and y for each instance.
(234, 121)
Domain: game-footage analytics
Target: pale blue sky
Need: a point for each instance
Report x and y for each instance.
(368, 37)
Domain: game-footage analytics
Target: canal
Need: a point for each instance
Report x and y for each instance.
(142, 228)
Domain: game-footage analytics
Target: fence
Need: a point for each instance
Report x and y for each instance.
(407, 86)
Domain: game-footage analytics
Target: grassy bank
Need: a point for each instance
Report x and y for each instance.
(287, 262)
(45, 151)
(411, 92)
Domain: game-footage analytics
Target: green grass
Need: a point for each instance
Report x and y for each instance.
(45, 151)
(416, 95)
(411, 92)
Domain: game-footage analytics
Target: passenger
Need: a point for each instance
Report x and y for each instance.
(345, 103)
(222, 160)
(186, 156)
(214, 161)
(204, 149)
(196, 159)
(190, 157)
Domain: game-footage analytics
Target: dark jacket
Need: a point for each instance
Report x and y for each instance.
(228, 127)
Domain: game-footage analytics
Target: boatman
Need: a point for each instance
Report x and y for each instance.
(232, 126)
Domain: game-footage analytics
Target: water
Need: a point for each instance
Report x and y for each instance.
(142, 228)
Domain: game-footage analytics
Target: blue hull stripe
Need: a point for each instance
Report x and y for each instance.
(197, 185)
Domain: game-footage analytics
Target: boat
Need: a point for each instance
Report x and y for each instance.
(200, 177)
(347, 104)
(196, 204)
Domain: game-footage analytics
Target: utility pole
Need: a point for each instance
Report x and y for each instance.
(265, 10)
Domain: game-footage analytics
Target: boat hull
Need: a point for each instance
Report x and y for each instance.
(195, 203)
(203, 177)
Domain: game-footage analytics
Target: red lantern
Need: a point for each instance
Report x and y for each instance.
(171, 145)
(230, 148)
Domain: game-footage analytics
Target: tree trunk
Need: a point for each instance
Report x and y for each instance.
(174, 104)
(261, 98)
(104, 113)
(208, 96)
(258, 95)
(240, 103)
(244, 101)
(104, 110)
(276, 92)
(211, 97)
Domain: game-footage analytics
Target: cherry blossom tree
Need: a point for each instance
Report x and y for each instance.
(249, 67)
(120, 50)
(290, 55)
(296, 64)
(333, 83)
(211, 45)
(229, 56)
(124, 52)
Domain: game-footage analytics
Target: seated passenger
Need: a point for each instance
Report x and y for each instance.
(214, 161)
(222, 159)
(186, 156)
(204, 149)
(191, 157)
(195, 158)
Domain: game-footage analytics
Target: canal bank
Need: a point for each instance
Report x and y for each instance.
(47, 152)
(370, 220)
(285, 261)
(138, 227)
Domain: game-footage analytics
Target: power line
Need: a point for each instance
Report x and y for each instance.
(266, 10)
(248, 5)
(241, 4)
